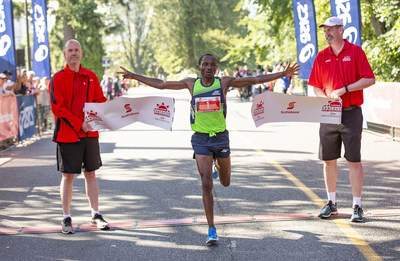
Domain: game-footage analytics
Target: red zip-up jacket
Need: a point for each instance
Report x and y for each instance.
(69, 90)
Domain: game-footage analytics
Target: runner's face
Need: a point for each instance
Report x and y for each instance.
(208, 67)
(73, 54)
(332, 34)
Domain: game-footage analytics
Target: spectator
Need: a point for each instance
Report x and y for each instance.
(117, 87)
(3, 79)
(110, 89)
(43, 103)
(21, 88)
(9, 85)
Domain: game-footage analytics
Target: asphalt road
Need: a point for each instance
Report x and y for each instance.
(150, 192)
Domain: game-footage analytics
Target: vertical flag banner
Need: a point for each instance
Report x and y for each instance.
(7, 48)
(41, 55)
(350, 12)
(306, 35)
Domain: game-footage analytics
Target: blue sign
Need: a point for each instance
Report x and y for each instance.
(41, 55)
(7, 47)
(26, 117)
(306, 35)
(350, 12)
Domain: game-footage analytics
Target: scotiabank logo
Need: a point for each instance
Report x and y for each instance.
(162, 110)
(332, 106)
(290, 109)
(128, 111)
(291, 106)
(127, 108)
(259, 109)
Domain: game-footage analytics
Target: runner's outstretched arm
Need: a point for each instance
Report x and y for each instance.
(154, 82)
(290, 71)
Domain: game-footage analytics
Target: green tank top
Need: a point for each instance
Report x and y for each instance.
(208, 108)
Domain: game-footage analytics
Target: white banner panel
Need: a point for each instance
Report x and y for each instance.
(279, 107)
(118, 113)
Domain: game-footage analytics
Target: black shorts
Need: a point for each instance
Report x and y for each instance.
(82, 155)
(349, 132)
(218, 145)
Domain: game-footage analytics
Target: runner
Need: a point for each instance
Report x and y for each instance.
(210, 141)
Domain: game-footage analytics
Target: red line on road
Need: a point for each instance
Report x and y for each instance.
(9, 230)
(192, 221)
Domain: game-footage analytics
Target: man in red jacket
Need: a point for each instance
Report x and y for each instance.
(77, 145)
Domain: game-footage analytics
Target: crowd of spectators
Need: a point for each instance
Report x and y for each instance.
(283, 85)
(27, 84)
(113, 87)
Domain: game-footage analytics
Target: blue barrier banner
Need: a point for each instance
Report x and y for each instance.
(26, 117)
(41, 55)
(350, 12)
(306, 35)
(7, 47)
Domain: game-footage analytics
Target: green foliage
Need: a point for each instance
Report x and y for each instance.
(383, 50)
(87, 23)
(186, 29)
(270, 36)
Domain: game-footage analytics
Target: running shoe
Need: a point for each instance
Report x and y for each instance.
(357, 215)
(212, 238)
(215, 172)
(66, 224)
(99, 221)
(328, 210)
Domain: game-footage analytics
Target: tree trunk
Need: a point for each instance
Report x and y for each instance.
(69, 32)
(378, 26)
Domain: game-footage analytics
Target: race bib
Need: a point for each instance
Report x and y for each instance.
(205, 104)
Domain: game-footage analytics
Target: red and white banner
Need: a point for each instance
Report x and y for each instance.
(382, 104)
(279, 107)
(8, 117)
(118, 113)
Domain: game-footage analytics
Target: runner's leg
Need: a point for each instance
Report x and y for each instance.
(204, 166)
(224, 170)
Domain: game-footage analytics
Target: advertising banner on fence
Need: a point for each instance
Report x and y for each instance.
(350, 12)
(8, 117)
(7, 47)
(382, 104)
(306, 35)
(26, 119)
(41, 55)
(279, 107)
(115, 114)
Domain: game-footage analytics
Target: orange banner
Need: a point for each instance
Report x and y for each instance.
(8, 117)
(382, 104)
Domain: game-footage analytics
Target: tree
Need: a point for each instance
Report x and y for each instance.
(78, 19)
(382, 26)
(186, 29)
(132, 25)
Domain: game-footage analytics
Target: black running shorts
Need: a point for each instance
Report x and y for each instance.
(76, 157)
(349, 132)
(218, 145)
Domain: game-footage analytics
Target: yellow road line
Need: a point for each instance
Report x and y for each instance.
(342, 224)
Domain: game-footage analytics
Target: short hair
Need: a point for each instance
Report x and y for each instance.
(207, 54)
(72, 40)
